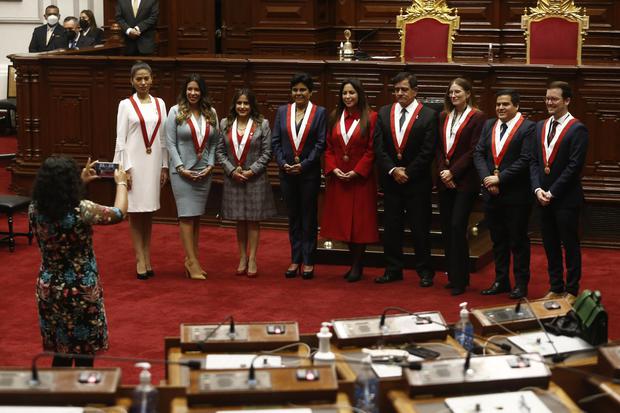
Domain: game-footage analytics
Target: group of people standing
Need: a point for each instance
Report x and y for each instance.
(504, 157)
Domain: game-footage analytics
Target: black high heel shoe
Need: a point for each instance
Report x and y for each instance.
(292, 273)
(143, 276)
(150, 273)
(308, 275)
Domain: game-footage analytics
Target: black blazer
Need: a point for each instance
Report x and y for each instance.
(146, 20)
(39, 36)
(564, 179)
(84, 41)
(417, 154)
(96, 34)
(313, 147)
(514, 169)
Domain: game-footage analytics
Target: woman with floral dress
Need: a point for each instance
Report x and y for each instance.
(69, 296)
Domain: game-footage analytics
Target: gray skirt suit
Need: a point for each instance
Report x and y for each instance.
(190, 196)
(252, 200)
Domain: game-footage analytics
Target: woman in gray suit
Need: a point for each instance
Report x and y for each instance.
(244, 152)
(191, 136)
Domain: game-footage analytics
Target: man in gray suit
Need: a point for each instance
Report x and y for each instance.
(138, 19)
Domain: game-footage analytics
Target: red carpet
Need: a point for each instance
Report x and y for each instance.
(142, 313)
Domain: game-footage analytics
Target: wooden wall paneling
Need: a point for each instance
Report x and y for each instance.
(236, 24)
(195, 26)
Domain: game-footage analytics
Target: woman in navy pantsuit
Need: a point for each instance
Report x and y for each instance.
(298, 139)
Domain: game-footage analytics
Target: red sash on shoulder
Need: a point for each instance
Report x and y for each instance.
(147, 143)
(497, 158)
(556, 147)
(457, 137)
(298, 151)
(412, 120)
(199, 148)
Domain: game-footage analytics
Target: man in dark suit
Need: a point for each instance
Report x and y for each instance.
(73, 33)
(405, 138)
(49, 36)
(502, 160)
(560, 148)
(138, 19)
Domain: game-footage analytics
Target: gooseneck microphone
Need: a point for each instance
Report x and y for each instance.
(35, 380)
(231, 333)
(557, 357)
(504, 346)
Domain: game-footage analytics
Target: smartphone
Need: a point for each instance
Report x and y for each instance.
(105, 169)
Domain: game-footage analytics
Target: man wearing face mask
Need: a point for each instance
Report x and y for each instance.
(49, 36)
(75, 40)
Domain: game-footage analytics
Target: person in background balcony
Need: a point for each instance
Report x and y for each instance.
(244, 151)
(138, 20)
(191, 136)
(350, 208)
(298, 140)
(88, 24)
(49, 36)
(141, 149)
(72, 316)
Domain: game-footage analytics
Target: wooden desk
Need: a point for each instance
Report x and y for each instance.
(554, 398)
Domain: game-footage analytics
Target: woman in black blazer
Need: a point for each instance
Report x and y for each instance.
(298, 140)
(460, 125)
(88, 24)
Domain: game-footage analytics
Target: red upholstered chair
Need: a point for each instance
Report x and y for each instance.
(427, 31)
(554, 33)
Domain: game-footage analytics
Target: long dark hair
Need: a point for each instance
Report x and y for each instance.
(204, 104)
(91, 18)
(362, 105)
(254, 113)
(466, 85)
(57, 188)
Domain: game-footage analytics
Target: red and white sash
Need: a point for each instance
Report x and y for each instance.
(147, 142)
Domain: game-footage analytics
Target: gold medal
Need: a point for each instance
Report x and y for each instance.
(496, 172)
(199, 156)
(345, 158)
(547, 170)
(399, 156)
(297, 159)
(148, 150)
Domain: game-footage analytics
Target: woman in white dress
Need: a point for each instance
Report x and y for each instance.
(141, 149)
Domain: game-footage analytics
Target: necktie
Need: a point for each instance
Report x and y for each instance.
(552, 132)
(502, 131)
(403, 116)
(135, 5)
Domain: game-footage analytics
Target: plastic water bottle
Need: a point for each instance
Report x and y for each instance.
(366, 393)
(464, 330)
(145, 395)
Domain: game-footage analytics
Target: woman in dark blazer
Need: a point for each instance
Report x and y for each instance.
(298, 139)
(350, 212)
(88, 24)
(244, 150)
(460, 125)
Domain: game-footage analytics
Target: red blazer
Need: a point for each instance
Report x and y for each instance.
(350, 208)
(461, 163)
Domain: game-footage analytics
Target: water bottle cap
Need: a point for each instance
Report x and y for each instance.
(145, 374)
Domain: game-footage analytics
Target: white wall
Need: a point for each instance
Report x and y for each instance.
(19, 17)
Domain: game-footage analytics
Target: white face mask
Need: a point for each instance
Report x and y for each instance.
(52, 19)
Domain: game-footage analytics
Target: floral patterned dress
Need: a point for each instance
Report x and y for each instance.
(70, 299)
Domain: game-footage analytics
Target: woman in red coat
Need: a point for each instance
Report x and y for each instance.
(350, 209)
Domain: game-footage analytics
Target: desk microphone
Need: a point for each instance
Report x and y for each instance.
(359, 53)
(557, 357)
(35, 380)
(231, 333)
(467, 362)
(506, 347)
(518, 306)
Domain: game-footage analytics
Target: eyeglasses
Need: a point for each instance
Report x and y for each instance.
(552, 99)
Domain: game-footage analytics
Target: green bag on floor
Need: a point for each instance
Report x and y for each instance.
(592, 317)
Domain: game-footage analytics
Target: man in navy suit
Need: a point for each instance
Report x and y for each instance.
(560, 148)
(502, 159)
(138, 19)
(405, 137)
(49, 36)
